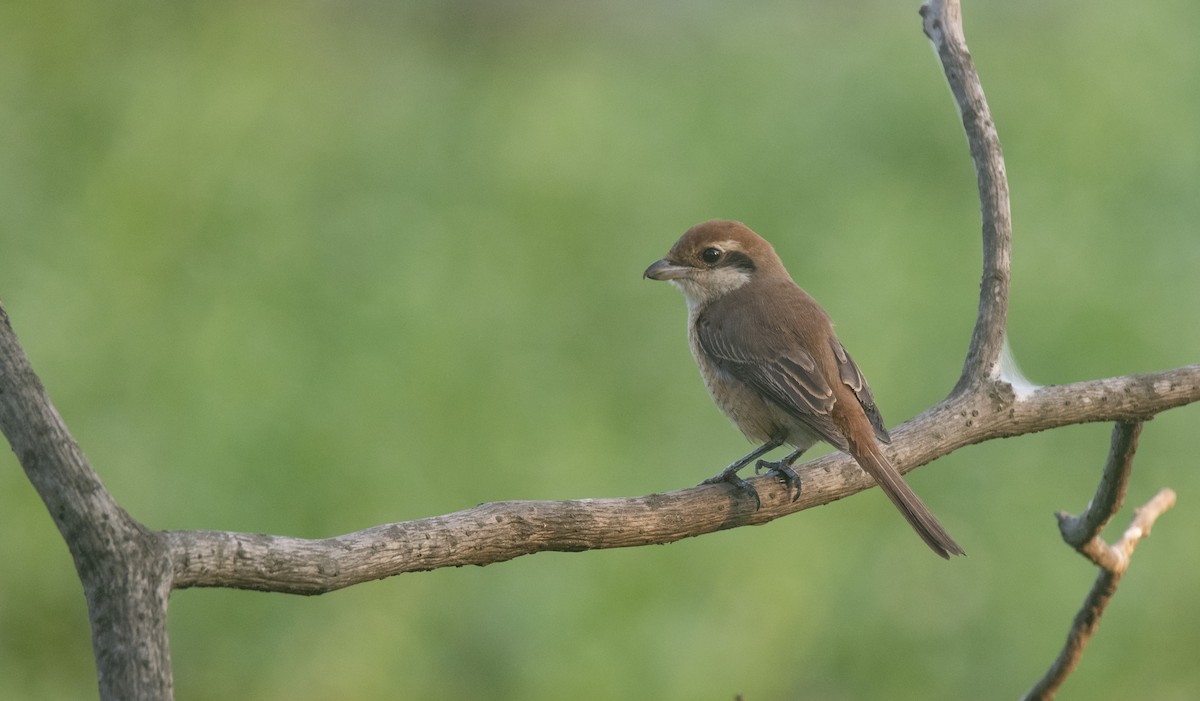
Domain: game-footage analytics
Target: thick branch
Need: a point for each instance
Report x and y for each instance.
(501, 531)
(942, 22)
(124, 568)
(994, 411)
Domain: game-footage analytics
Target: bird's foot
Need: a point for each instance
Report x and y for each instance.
(730, 476)
(783, 470)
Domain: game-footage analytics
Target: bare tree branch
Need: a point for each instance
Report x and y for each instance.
(1083, 533)
(124, 567)
(500, 531)
(1143, 521)
(942, 23)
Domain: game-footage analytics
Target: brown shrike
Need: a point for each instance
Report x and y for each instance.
(772, 363)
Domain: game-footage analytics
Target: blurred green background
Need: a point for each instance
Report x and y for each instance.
(303, 268)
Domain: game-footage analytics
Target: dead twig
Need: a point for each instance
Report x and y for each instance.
(1082, 532)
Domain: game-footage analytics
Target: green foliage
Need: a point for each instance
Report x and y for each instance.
(303, 268)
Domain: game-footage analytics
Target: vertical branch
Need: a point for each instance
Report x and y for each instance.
(942, 23)
(125, 568)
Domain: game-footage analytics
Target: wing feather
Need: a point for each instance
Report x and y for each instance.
(780, 368)
(853, 378)
(788, 378)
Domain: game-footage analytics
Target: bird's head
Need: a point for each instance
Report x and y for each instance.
(715, 258)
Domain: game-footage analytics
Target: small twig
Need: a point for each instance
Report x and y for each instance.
(1143, 521)
(1083, 533)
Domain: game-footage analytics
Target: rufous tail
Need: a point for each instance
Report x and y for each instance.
(872, 460)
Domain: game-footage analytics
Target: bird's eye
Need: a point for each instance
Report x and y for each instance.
(711, 255)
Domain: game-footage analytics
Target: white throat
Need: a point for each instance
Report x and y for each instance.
(713, 285)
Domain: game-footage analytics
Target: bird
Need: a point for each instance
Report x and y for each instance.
(772, 363)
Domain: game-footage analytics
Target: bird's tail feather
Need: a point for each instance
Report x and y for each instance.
(871, 458)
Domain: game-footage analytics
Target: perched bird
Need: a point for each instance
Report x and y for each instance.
(772, 363)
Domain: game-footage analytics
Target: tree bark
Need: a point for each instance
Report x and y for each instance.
(124, 567)
(500, 531)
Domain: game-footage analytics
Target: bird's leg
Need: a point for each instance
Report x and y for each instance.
(730, 474)
(783, 469)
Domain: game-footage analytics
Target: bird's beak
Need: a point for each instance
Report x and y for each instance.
(665, 270)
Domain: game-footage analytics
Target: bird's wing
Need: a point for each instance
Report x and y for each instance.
(784, 372)
(853, 378)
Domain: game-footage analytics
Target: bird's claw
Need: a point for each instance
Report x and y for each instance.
(783, 471)
(732, 478)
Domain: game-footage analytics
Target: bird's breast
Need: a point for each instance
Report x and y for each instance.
(757, 418)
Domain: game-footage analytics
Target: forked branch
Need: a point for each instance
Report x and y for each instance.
(1083, 533)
